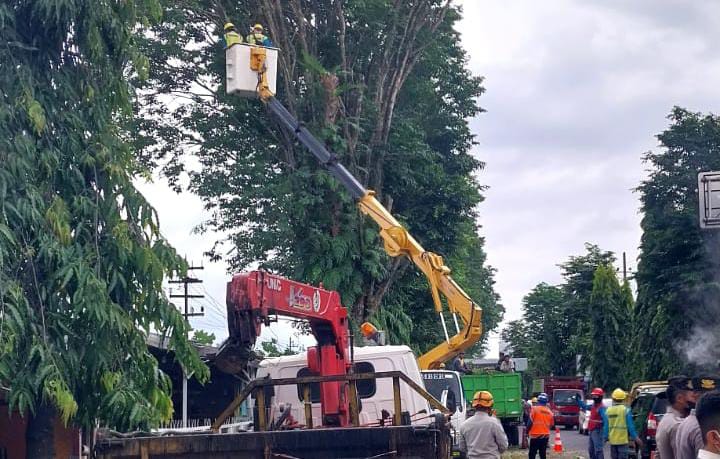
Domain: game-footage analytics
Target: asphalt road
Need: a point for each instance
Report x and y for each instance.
(573, 441)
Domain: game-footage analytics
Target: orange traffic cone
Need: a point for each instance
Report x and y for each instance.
(557, 446)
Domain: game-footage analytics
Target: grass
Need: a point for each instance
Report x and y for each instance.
(523, 454)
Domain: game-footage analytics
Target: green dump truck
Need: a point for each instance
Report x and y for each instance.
(507, 392)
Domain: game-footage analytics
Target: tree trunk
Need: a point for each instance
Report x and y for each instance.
(40, 435)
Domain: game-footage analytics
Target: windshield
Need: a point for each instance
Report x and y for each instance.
(565, 397)
(437, 381)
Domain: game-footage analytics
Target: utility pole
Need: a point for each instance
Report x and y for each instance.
(187, 280)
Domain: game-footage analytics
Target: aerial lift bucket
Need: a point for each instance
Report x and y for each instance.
(241, 79)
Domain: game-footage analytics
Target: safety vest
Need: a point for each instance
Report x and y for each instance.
(232, 38)
(256, 39)
(595, 421)
(542, 419)
(617, 425)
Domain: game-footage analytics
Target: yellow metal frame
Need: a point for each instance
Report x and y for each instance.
(398, 242)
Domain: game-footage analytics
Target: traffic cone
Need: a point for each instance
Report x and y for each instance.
(557, 445)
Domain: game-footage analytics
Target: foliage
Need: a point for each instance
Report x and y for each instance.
(555, 327)
(81, 256)
(678, 282)
(609, 330)
(203, 338)
(271, 349)
(392, 105)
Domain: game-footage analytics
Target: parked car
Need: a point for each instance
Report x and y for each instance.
(648, 405)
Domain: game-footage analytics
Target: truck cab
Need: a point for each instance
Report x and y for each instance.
(375, 395)
(446, 386)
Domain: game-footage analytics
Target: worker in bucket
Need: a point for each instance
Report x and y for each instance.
(257, 36)
(618, 426)
(482, 436)
(232, 37)
(541, 422)
(595, 422)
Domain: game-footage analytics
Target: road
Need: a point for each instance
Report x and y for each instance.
(573, 441)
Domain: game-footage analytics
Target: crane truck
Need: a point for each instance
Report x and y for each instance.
(253, 298)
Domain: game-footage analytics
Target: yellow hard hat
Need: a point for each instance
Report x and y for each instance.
(618, 395)
(229, 25)
(483, 399)
(258, 27)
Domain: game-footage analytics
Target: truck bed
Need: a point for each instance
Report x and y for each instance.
(346, 443)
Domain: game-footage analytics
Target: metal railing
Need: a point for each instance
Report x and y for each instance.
(257, 386)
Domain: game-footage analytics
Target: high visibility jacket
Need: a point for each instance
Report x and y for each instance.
(542, 420)
(596, 421)
(620, 428)
(232, 38)
(258, 39)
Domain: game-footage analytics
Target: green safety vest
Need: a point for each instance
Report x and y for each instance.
(232, 38)
(256, 38)
(617, 425)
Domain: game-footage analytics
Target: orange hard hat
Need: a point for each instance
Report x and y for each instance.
(483, 399)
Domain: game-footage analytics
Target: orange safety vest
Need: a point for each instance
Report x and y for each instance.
(542, 419)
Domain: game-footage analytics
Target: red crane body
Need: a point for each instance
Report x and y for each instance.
(254, 297)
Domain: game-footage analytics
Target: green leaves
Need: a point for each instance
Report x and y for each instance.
(81, 255)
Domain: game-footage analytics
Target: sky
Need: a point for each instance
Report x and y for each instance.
(576, 92)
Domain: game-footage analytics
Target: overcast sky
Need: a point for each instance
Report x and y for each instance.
(576, 92)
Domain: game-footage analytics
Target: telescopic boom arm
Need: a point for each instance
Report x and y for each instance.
(397, 240)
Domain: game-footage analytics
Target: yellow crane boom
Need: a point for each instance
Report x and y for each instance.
(397, 240)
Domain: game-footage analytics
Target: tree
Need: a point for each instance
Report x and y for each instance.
(609, 331)
(81, 256)
(271, 349)
(554, 328)
(385, 85)
(203, 338)
(677, 312)
(579, 273)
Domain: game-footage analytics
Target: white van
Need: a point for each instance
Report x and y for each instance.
(375, 395)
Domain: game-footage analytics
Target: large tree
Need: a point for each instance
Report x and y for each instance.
(609, 324)
(385, 85)
(81, 256)
(677, 311)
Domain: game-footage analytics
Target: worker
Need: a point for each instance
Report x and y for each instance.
(618, 426)
(482, 436)
(507, 365)
(231, 35)
(688, 438)
(540, 423)
(595, 422)
(458, 364)
(682, 397)
(258, 37)
(708, 417)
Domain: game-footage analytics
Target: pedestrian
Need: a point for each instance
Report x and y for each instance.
(231, 35)
(595, 422)
(258, 37)
(682, 397)
(618, 426)
(482, 436)
(507, 365)
(708, 417)
(459, 364)
(541, 422)
(689, 439)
